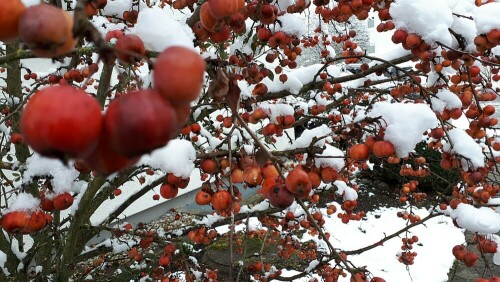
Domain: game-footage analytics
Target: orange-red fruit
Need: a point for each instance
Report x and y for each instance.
(168, 191)
(225, 8)
(61, 121)
(47, 30)
(10, 12)
(46, 204)
(36, 222)
(383, 149)
(470, 259)
(359, 152)
(329, 174)
(15, 221)
(252, 176)
(298, 183)
(63, 201)
(129, 43)
(221, 200)
(140, 122)
(208, 166)
(413, 40)
(179, 80)
(203, 198)
(208, 21)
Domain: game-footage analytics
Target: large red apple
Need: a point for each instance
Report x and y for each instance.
(14, 221)
(279, 196)
(359, 152)
(47, 30)
(178, 74)
(168, 191)
(221, 200)
(61, 121)
(140, 122)
(10, 12)
(298, 183)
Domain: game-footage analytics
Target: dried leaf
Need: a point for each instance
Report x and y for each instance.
(219, 87)
(233, 96)
(261, 157)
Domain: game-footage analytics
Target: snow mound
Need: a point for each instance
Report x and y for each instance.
(483, 220)
(176, 157)
(431, 23)
(405, 124)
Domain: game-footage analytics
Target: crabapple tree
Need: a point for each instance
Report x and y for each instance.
(110, 104)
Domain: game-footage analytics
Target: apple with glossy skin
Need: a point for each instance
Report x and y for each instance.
(140, 122)
(63, 201)
(279, 196)
(203, 198)
(168, 191)
(298, 183)
(15, 221)
(61, 121)
(179, 80)
(359, 152)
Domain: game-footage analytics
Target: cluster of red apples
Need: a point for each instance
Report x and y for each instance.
(65, 122)
(77, 129)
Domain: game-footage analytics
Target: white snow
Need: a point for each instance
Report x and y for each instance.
(176, 157)
(275, 110)
(291, 24)
(159, 29)
(308, 135)
(347, 192)
(445, 99)
(465, 146)
(431, 23)
(486, 17)
(330, 157)
(404, 123)
(3, 260)
(482, 220)
(23, 202)
(63, 175)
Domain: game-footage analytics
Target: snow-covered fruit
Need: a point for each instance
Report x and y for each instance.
(10, 12)
(139, 122)
(23, 222)
(63, 201)
(47, 30)
(179, 81)
(61, 121)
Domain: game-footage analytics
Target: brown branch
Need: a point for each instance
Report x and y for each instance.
(387, 238)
